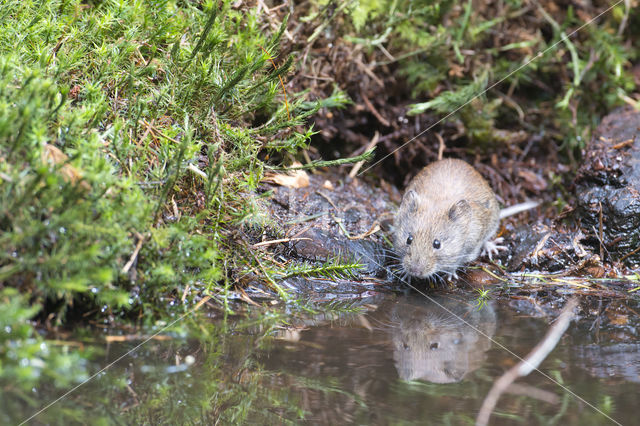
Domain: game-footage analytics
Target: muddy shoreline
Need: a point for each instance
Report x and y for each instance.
(586, 248)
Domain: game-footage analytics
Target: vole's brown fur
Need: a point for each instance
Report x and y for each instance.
(448, 213)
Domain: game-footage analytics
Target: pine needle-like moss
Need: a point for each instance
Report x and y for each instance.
(127, 132)
(331, 269)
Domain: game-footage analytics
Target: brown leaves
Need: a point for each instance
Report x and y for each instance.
(54, 156)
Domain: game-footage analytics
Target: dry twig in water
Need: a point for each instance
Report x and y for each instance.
(529, 363)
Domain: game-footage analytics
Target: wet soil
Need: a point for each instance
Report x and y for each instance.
(583, 249)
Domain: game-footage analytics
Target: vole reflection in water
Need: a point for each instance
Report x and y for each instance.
(432, 344)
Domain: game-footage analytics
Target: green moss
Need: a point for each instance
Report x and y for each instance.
(127, 131)
(448, 53)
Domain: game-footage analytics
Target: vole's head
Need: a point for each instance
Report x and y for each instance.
(429, 234)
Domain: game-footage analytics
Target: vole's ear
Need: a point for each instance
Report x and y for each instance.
(410, 199)
(459, 209)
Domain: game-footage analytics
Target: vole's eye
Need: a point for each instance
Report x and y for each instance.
(436, 244)
(409, 240)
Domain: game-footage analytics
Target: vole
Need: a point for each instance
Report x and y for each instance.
(448, 214)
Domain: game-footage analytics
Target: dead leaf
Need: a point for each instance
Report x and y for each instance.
(532, 181)
(293, 179)
(53, 155)
(456, 71)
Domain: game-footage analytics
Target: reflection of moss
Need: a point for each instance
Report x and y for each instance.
(160, 383)
(27, 362)
(225, 385)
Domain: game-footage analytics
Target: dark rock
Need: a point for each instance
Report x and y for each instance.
(334, 217)
(541, 248)
(322, 245)
(608, 186)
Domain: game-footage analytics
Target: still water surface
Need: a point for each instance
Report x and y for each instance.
(411, 361)
(398, 360)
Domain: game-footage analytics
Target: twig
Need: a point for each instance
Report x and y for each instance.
(270, 281)
(368, 72)
(359, 164)
(282, 240)
(374, 111)
(193, 168)
(244, 296)
(529, 363)
(623, 144)
(286, 102)
(631, 253)
(600, 232)
(130, 337)
(326, 197)
(625, 17)
(386, 53)
(185, 292)
(264, 7)
(134, 255)
(441, 145)
(374, 228)
(157, 132)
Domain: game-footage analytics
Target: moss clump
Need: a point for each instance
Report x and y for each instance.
(129, 141)
(438, 56)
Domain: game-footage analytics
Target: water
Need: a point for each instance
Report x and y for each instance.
(411, 361)
(398, 360)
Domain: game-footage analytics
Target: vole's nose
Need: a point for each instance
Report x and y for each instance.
(415, 271)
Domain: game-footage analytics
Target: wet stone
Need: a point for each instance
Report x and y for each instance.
(336, 289)
(608, 186)
(539, 247)
(334, 217)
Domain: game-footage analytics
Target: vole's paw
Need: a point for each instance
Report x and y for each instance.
(452, 276)
(493, 247)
